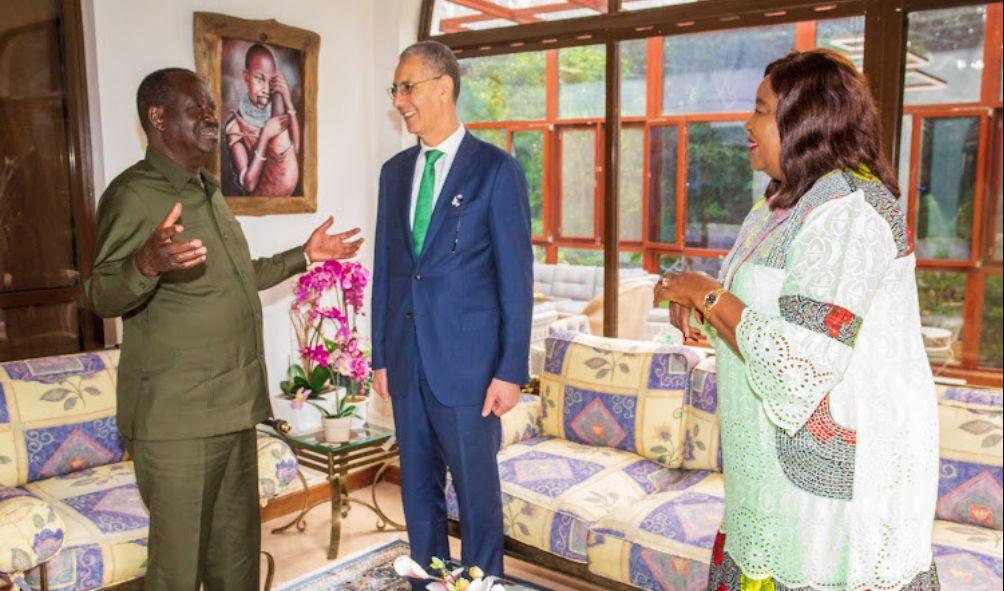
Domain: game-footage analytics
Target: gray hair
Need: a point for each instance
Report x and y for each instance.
(438, 58)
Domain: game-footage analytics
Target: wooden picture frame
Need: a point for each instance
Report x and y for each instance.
(241, 61)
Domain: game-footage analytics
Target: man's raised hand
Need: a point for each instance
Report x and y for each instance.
(322, 246)
(161, 253)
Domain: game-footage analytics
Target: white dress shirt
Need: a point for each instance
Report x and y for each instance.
(449, 148)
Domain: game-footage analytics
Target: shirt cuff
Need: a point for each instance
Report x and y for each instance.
(138, 283)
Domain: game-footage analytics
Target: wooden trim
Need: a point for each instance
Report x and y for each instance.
(884, 66)
(80, 164)
(679, 19)
(611, 190)
(972, 319)
(425, 19)
(43, 297)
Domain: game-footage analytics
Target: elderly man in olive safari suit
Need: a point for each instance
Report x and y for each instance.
(173, 262)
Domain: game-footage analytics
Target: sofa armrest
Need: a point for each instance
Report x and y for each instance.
(523, 421)
(277, 467)
(31, 532)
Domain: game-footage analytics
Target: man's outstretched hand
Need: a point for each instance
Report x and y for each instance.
(325, 247)
(501, 398)
(161, 253)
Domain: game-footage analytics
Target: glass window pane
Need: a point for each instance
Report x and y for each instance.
(993, 323)
(843, 35)
(942, 295)
(719, 72)
(502, 87)
(947, 181)
(944, 56)
(590, 257)
(539, 253)
(663, 149)
(455, 16)
(581, 80)
(634, 55)
(578, 183)
(905, 156)
(37, 232)
(662, 160)
(677, 263)
(630, 259)
(997, 237)
(629, 182)
(494, 136)
(528, 148)
(35, 331)
(721, 186)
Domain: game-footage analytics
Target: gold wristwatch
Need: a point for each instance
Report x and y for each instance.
(711, 300)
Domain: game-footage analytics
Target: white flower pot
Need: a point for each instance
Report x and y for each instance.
(306, 419)
(337, 430)
(359, 416)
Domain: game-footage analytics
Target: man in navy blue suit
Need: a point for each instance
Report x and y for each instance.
(452, 301)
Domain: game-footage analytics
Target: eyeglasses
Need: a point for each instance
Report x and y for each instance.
(406, 87)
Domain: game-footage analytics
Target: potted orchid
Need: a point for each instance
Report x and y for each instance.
(333, 369)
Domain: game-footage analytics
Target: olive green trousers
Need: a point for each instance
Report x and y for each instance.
(202, 495)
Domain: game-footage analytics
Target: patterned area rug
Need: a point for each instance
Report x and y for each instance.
(368, 570)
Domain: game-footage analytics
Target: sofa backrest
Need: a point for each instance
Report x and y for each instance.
(969, 489)
(617, 393)
(702, 436)
(57, 415)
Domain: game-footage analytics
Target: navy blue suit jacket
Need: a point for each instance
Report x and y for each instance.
(463, 309)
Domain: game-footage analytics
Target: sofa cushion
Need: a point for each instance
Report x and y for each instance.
(106, 527)
(970, 486)
(553, 490)
(702, 434)
(57, 415)
(31, 532)
(277, 467)
(626, 395)
(969, 558)
(523, 421)
(575, 282)
(664, 542)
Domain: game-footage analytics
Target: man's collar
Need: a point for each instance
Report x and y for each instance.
(172, 171)
(450, 145)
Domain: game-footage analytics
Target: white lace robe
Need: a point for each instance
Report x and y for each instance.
(829, 417)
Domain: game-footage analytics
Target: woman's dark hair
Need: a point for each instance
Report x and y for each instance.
(827, 120)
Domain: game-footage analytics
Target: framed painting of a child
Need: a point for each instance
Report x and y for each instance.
(263, 76)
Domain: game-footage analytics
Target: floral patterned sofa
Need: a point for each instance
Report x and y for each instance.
(614, 473)
(68, 496)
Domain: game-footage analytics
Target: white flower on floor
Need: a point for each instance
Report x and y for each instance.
(448, 580)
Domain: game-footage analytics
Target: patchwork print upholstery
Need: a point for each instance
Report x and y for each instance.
(968, 558)
(970, 487)
(277, 467)
(553, 490)
(57, 415)
(30, 531)
(523, 421)
(664, 542)
(106, 527)
(702, 435)
(620, 394)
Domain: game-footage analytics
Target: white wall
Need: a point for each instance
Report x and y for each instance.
(357, 130)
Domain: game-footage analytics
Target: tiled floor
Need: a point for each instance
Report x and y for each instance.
(298, 553)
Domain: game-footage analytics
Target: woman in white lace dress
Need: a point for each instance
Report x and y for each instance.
(827, 405)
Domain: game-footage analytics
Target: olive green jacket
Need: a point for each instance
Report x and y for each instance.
(193, 359)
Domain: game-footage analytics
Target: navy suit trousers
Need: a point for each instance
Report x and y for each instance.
(433, 438)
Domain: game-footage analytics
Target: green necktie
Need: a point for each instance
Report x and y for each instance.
(423, 209)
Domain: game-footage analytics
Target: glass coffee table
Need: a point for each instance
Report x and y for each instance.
(369, 446)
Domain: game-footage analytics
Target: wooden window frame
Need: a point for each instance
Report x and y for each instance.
(886, 23)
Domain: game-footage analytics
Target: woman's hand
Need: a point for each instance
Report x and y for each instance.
(684, 291)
